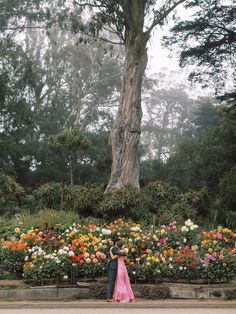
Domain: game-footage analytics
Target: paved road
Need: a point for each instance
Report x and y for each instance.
(118, 311)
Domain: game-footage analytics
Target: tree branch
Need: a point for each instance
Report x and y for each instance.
(158, 19)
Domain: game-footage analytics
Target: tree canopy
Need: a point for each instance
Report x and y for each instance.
(208, 41)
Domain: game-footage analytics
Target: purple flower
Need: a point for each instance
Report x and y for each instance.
(203, 262)
(211, 258)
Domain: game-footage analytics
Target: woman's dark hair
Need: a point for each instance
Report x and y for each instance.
(120, 244)
(115, 239)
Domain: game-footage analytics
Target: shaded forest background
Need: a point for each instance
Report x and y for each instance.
(58, 98)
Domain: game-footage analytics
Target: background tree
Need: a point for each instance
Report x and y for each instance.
(167, 116)
(208, 41)
(69, 142)
(132, 21)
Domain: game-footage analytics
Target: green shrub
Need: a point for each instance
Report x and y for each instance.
(179, 210)
(227, 188)
(49, 195)
(160, 193)
(230, 219)
(125, 202)
(12, 261)
(87, 197)
(167, 203)
(10, 193)
(217, 293)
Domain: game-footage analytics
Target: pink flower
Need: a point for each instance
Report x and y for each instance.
(88, 260)
(98, 254)
(95, 260)
(103, 256)
(219, 236)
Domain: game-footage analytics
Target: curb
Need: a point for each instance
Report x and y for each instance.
(139, 304)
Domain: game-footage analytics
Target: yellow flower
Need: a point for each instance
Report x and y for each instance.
(165, 253)
(158, 271)
(17, 230)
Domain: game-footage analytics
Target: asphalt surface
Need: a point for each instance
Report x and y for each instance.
(118, 311)
(90, 306)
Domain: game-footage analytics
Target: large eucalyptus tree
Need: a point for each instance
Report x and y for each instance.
(128, 22)
(132, 21)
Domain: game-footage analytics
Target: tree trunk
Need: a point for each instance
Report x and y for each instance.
(71, 170)
(126, 132)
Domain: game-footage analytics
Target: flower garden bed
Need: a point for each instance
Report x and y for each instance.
(169, 253)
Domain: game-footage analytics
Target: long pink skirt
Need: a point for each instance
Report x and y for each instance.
(122, 291)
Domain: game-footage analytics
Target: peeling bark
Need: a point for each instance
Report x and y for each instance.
(126, 132)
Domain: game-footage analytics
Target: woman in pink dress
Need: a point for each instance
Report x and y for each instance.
(122, 291)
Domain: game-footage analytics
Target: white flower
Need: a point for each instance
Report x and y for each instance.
(193, 227)
(26, 258)
(180, 268)
(71, 253)
(17, 230)
(61, 252)
(57, 260)
(135, 229)
(170, 266)
(188, 223)
(184, 229)
(65, 277)
(184, 240)
(106, 231)
(170, 259)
